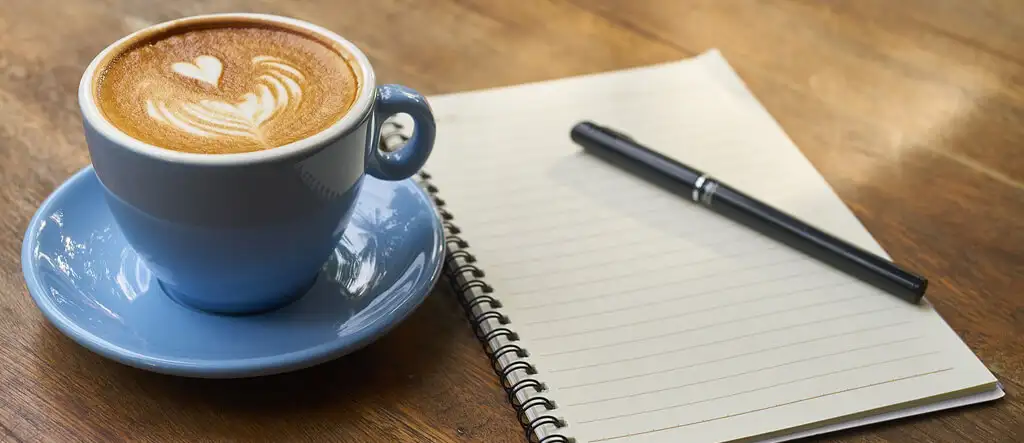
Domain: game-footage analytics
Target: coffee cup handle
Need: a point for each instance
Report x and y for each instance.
(408, 159)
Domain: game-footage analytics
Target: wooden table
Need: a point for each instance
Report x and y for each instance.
(912, 109)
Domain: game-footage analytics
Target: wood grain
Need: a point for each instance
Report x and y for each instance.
(912, 110)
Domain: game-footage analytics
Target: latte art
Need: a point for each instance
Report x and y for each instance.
(205, 68)
(228, 89)
(278, 91)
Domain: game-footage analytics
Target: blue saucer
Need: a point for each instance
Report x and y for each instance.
(91, 285)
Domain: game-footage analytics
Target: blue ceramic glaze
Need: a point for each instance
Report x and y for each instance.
(246, 232)
(92, 286)
(394, 99)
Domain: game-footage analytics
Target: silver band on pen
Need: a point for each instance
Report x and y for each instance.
(696, 188)
(704, 190)
(709, 192)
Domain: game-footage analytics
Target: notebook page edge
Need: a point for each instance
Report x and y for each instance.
(993, 394)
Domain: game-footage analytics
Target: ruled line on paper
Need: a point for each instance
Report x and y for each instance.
(576, 168)
(712, 325)
(559, 195)
(574, 172)
(653, 258)
(748, 372)
(636, 289)
(610, 274)
(830, 285)
(676, 242)
(663, 352)
(504, 166)
(717, 360)
(641, 255)
(622, 190)
(601, 219)
(565, 175)
(777, 405)
(617, 189)
(775, 385)
(567, 282)
(559, 240)
(577, 212)
(648, 206)
(642, 305)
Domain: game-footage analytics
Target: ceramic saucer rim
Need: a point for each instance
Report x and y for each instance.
(217, 368)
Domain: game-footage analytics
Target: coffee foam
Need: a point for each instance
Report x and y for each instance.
(233, 87)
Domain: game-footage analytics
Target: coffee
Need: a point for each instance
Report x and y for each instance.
(219, 87)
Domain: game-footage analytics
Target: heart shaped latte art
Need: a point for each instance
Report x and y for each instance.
(276, 91)
(205, 68)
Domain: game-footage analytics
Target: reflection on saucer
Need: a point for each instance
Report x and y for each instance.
(97, 290)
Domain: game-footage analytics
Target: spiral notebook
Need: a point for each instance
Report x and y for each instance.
(613, 311)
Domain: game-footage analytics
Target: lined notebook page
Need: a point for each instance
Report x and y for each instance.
(651, 319)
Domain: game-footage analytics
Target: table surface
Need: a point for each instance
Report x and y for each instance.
(912, 110)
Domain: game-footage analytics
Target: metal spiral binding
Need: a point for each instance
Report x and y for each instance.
(492, 327)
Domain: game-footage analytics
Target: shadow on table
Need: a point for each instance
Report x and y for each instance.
(382, 376)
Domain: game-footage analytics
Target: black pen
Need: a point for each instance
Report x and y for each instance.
(739, 207)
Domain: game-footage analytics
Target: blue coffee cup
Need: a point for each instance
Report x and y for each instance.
(248, 232)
